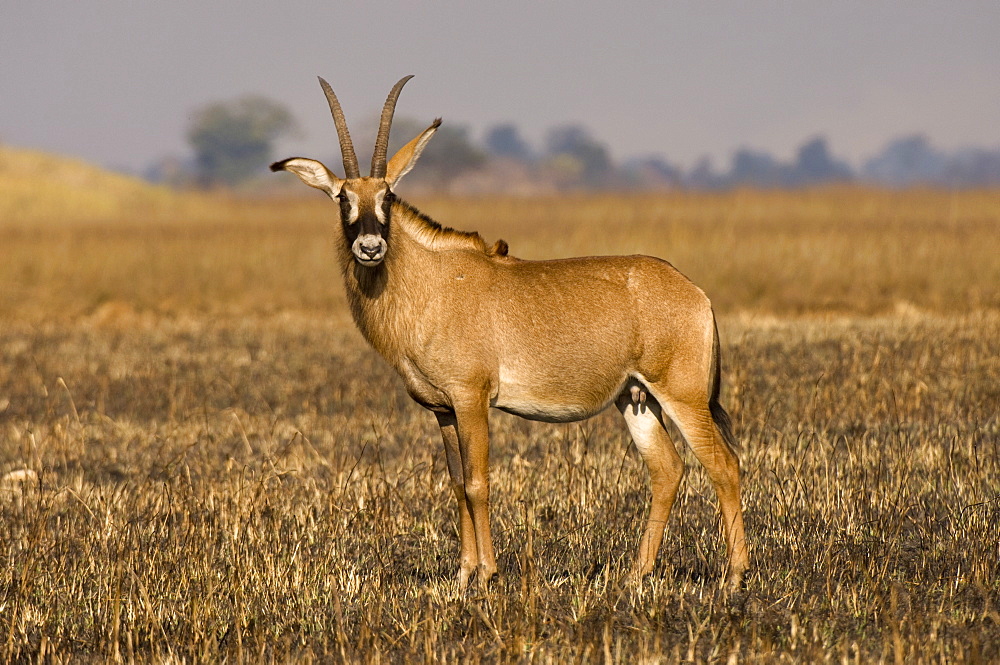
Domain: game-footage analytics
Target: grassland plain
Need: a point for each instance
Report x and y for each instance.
(202, 460)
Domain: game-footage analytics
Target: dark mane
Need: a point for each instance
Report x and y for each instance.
(435, 236)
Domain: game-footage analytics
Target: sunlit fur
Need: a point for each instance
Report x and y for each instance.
(468, 327)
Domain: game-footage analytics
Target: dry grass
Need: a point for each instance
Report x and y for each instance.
(201, 460)
(845, 251)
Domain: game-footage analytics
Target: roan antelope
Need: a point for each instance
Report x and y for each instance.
(468, 328)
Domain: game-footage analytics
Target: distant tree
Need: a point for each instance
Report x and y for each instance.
(506, 141)
(912, 160)
(573, 142)
(703, 175)
(651, 173)
(814, 164)
(757, 169)
(908, 160)
(234, 140)
(973, 167)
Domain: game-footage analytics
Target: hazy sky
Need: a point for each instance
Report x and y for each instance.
(116, 82)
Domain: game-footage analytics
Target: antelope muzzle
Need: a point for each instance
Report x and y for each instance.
(369, 249)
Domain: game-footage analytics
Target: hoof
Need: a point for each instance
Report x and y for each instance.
(485, 576)
(635, 577)
(465, 574)
(734, 583)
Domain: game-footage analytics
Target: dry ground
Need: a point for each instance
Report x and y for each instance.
(201, 459)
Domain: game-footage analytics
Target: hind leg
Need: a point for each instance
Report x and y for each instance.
(694, 419)
(644, 419)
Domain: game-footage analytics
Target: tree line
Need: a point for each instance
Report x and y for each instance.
(233, 142)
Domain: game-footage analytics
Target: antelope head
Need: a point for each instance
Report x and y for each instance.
(365, 202)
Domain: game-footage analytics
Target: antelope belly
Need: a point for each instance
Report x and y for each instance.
(550, 400)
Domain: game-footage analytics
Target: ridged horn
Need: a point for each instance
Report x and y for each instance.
(382, 141)
(346, 147)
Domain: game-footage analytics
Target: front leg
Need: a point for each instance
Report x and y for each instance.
(474, 444)
(470, 552)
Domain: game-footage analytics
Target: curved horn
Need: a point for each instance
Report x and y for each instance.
(382, 141)
(346, 147)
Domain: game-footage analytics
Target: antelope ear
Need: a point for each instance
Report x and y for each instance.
(312, 173)
(403, 161)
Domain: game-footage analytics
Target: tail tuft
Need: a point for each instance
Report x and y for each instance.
(725, 425)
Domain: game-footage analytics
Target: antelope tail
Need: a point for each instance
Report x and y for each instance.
(719, 413)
